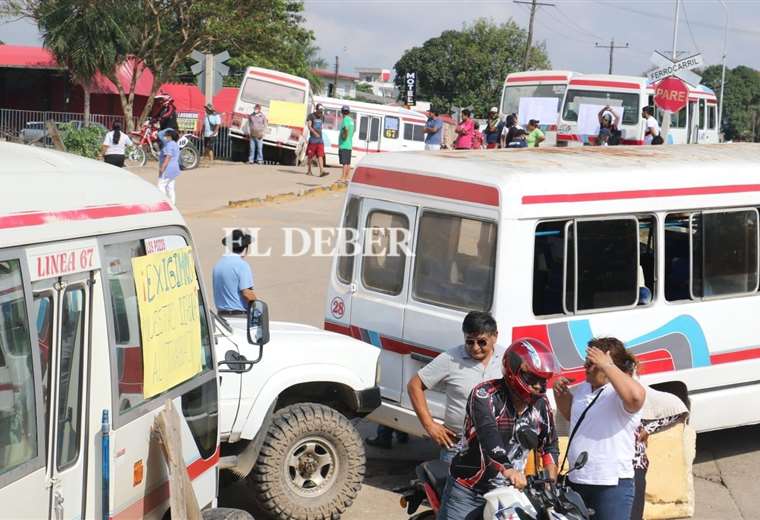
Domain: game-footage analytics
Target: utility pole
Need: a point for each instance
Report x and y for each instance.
(533, 5)
(335, 81)
(612, 48)
(665, 129)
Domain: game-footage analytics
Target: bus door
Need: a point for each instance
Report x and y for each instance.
(381, 287)
(369, 133)
(61, 307)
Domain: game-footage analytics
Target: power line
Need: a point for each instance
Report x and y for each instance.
(577, 25)
(612, 48)
(693, 40)
(534, 4)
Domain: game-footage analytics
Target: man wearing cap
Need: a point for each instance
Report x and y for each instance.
(232, 276)
(257, 128)
(210, 130)
(493, 129)
(345, 142)
(316, 146)
(433, 131)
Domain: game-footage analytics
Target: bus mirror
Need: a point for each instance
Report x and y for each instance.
(258, 323)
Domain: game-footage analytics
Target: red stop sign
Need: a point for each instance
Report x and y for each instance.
(671, 94)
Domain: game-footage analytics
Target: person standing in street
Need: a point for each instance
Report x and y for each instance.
(455, 373)
(464, 132)
(211, 124)
(114, 146)
(345, 143)
(652, 134)
(316, 146)
(535, 135)
(168, 169)
(493, 129)
(433, 131)
(232, 277)
(257, 129)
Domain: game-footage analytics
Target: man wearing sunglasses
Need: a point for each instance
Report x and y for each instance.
(496, 409)
(455, 373)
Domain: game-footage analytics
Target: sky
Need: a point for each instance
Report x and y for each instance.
(375, 33)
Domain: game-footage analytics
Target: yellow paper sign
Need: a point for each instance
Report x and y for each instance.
(167, 300)
(287, 114)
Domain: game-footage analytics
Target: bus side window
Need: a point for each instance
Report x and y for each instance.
(363, 128)
(702, 118)
(18, 409)
(382, 268)
(548, 268)
(455, 261)
(414, 132)
(647, 259)
(345, 270)
(711, 116)
(391, 127)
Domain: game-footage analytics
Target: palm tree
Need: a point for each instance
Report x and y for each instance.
(82, 36)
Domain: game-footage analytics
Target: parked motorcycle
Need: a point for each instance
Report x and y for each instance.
(146, 143)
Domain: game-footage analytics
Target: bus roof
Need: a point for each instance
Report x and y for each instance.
(276, 75)
(531, 76)
(49, 195)
(574, 181)
(608, 81)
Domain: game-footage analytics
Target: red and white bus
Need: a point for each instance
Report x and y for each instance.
(535, 84)
(262, 86)
(695, 123)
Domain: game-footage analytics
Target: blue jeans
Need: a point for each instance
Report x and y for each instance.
(608, 502)
(256, 153)
(447, 454)
(460, 503)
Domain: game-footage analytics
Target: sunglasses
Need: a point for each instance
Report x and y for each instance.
(471, 342)
(532, 379)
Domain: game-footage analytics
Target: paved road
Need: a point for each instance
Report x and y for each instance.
(726, 469)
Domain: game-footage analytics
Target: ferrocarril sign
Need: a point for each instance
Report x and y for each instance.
(678, 68)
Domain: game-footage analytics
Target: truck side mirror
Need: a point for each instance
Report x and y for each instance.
(258, 323)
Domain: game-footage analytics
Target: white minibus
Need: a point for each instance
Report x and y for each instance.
(78, 392)
(695, 123)
(533, 90)
(379, 128)
(647, 244)
(262, 86)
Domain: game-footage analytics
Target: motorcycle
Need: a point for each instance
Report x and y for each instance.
(145, 142)
(542, 499)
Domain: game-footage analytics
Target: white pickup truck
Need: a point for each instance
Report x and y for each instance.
(287, 394)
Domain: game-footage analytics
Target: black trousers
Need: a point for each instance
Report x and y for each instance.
(639, 487)
(115, 159)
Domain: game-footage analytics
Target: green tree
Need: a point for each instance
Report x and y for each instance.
(742, 99)
(468, 67)
(80, 38)
(364, 87)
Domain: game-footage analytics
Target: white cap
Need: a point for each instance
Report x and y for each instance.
(494, 109)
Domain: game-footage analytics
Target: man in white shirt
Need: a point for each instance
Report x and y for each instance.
(652, 127)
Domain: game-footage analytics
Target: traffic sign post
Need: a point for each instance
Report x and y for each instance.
(670, 78)
(211, 71)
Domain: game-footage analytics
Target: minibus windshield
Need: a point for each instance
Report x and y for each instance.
(576, 98)
(513, 93)
(262, 92)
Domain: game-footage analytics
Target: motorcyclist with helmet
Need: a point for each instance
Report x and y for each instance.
(495, 411)
(167, 116)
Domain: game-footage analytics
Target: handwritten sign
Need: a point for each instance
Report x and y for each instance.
(287, 114)
(63, 259)
(167, 301)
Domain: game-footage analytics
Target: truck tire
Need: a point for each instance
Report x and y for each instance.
(311, 464)
(225, 513)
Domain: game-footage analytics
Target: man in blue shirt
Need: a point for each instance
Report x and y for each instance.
(211, 124)
(433, 131)
(233, 278)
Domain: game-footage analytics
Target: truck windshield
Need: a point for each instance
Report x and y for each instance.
(262, 92)
(510, 103)
(576, 98)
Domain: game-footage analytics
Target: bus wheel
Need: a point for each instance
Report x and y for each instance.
(311, 464)
(225, 513)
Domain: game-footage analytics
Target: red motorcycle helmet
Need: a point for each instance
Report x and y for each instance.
(526, 360)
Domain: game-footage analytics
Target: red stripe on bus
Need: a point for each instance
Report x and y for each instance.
(536, 78)
(160, 494)
(38, 218)
(732, 357)
(639, 194)
(389, 344)
(602, 83)
(278, 78)
(428, 185)
(592, 139)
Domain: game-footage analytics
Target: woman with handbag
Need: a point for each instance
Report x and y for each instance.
(257, 128)
(604, 414)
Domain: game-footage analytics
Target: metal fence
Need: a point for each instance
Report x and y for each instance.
(29, 127)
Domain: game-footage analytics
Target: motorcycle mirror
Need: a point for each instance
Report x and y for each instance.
(527, 438)
(581, 460)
